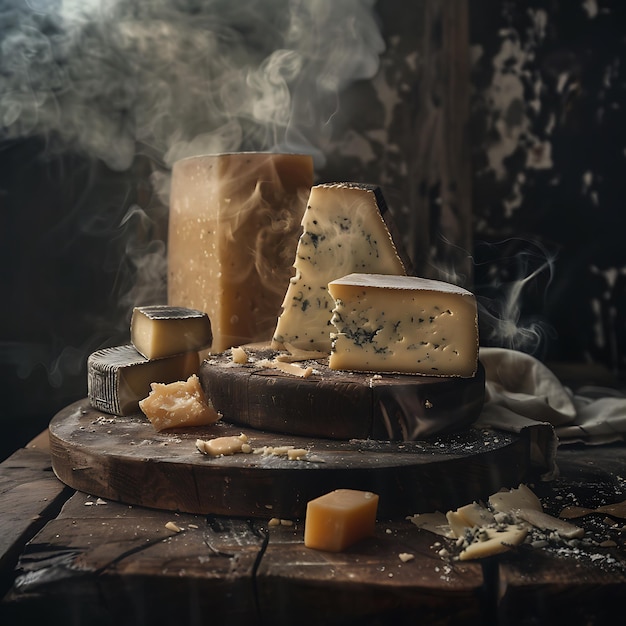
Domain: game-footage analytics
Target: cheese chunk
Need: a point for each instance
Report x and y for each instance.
(491, 541)
(469, 516)
(339, 519)
(234, 223)
(178, 404)
(118, 377)
(346, 228)
(159, 330)
(403, 324)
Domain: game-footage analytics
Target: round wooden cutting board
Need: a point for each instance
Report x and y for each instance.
(125, 459)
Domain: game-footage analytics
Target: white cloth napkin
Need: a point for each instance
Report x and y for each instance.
(523, 393)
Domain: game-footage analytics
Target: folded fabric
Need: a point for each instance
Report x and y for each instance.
(521, 393)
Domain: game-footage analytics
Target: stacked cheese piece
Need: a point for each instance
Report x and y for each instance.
(164, 348)
(351, 297)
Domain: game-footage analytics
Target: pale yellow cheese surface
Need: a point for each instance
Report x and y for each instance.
(339, 519)
(403, 324)
(495, 541)
(178, 404)
(234, 223)
(346, 228)
(159, 331)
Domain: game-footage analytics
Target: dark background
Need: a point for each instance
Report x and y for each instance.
(547, 148)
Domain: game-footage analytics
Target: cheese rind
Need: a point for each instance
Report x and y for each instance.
(158, 331)
(403, 324)
(118, 377)
(339, 519)
(234, 223)
(346, 228)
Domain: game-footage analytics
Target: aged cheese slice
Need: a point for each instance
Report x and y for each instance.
(339, 519)
(511, 500)
(234, 223)
(469, 516)
(160, 330)
(346, 228)
(178, 404)
(491, 541)
(118, 377)
(403, 324)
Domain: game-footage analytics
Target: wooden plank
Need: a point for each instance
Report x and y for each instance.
(368, 583)
(30, 494)
(115, 564)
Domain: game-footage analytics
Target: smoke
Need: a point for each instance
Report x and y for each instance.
(511, 300)
(113, 80)
(173, 78)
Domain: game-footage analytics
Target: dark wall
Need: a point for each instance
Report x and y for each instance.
(549, 155)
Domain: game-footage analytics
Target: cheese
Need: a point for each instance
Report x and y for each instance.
(178, 404)
(469, 516)
(234, 223)
(158, 331)
(118, 377)
(491, 541)
(510, 500)
(403, 324)
(346, 228)
(224, 446)
(339, 519)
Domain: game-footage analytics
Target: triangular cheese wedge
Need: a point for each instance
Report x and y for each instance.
(346, 228)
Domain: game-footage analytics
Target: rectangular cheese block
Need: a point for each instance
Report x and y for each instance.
(338, 519)
(234, 223)
(118, 377)
(403, 324)
(346, 228)
(160, 330)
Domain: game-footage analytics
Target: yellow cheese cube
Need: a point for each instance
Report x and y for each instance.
(159, 331)
(339, 519)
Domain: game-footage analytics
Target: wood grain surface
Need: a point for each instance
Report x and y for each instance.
(125, 459)
(339, 404)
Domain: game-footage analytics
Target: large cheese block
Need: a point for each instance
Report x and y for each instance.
(346, 228)
(234, 223)
(159, 330)
(118, 377)
(403, 324)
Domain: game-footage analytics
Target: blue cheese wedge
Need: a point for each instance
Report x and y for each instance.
(346, 228)
(403, 324)
(158, 331)
(119, 377)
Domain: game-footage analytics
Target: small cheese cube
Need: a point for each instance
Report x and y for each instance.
(339, 519)
(160, 330)
(118, 377)
(403, 324)
(178, 404)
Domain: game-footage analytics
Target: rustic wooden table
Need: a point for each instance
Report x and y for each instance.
(69, 557)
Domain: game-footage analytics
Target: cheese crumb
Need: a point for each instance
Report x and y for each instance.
(173, 527)
(239, 355)
(405, 557)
